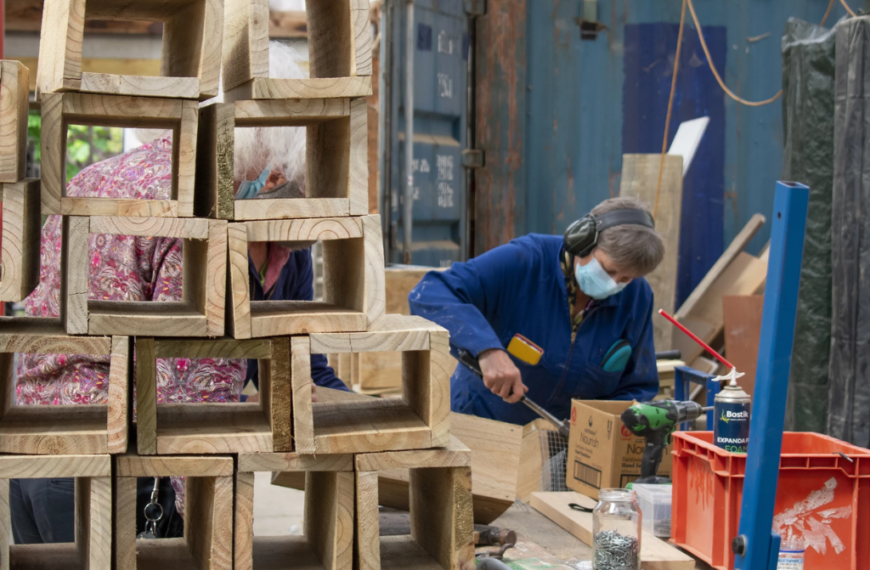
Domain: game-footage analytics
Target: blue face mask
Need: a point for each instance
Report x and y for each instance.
(595, 282)
(249, 190)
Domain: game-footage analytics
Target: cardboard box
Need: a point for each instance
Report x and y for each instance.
(602, 453)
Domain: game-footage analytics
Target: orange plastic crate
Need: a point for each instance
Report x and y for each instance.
(821, 496)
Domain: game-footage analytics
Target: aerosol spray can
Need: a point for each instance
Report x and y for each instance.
(731, 408)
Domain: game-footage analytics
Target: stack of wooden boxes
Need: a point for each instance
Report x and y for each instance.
(340, 442)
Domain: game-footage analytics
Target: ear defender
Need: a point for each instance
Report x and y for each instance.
(581, 237)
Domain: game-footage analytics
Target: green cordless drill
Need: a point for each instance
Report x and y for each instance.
(656, 421)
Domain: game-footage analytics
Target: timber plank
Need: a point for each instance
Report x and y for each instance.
(336, 180)
(353, 289)
(655, 553)
(420, 419)
(440, 511)
(14, 93)
(19, 258)
(328, 529)
(61, 109)
(219, 428)
(190, 58)
(640, 174)
(339, 44)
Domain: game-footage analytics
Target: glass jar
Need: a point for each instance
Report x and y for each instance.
(616, 526)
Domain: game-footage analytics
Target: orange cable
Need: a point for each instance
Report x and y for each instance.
(846, 6)
(827, 12)
(716, 73)
(670, 107)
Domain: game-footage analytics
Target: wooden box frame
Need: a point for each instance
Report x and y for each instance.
(418, 420)
(327, 542)
(19, 259)
(59, 110)
(339, 47)
(210, 428)
(92, 549)
(442, 525)
(336, 176)
(190, 58)
(208, 519)
(65, 429)
(199, 314)
(353, 277)
(14, 96)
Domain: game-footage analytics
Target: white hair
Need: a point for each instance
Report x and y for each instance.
(281, 148)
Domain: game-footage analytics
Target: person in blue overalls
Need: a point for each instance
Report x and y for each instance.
(581, 297)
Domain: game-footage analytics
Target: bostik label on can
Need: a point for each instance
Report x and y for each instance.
(732, 409)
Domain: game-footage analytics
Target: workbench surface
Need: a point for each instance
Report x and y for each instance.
(531, 525)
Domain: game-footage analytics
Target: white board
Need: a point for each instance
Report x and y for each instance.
(688, 138)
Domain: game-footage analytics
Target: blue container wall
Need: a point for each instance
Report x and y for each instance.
(440, 124)
(582, 104)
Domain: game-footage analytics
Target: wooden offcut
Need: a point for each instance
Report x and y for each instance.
(14, 93)
(65, 429)
(735, 273)
(640, 175)
(19, 256)
(208, 514)
(336, 169)
(353, 277)
(418, 420)
(201, 311)
(442, 530)
(213, 428)
(92, 549)
(191, 53)
(59, 110)
(339, 51)
(26, 16)
(742, 323)
(655, 553)
(328, 524)
(495, 459)
(380, 373)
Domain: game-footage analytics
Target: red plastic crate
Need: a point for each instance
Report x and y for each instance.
(821, 496)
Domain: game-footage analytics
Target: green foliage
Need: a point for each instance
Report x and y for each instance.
(34, 127)
(86, 145)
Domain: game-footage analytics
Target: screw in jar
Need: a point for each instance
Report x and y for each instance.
(616, 525)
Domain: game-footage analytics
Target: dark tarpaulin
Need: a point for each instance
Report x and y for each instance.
(849, 380)
(808, 125)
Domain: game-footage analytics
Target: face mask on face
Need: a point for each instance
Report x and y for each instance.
(595, 282)
(248, 189)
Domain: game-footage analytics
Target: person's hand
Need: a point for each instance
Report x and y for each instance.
(501, 375)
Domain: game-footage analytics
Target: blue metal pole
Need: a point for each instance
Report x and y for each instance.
(755, 544)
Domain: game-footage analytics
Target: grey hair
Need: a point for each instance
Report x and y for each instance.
(282, 148)
(633, 248)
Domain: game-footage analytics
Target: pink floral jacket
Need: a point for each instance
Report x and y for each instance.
(122, 268)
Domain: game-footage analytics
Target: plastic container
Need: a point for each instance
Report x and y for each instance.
(791, 554)
(655, 506)
(822, 498)
(616, 531)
